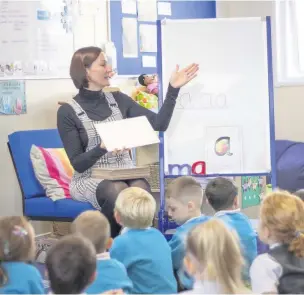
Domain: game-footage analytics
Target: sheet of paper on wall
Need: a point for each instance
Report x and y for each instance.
(128, 7)
(164, 8)
(147, 10)
(12, 97)
(128, 133)
(148, 61)
(89, 7)
(148, 38)
(129, 37)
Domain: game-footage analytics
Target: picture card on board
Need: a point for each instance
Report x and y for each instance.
(223, 149)
(164, 8)
(148, 38)
(129, 37)
(147, 10)
(128, 6)
(148, 61)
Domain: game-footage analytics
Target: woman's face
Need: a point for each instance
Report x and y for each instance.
(99, 73)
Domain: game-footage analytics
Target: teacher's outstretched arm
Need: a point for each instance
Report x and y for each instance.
(161, 120)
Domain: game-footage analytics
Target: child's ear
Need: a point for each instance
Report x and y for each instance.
(190, 268)
(191, 206)
(93, 277)
(236, 202)
(109, 243)
(117, 217)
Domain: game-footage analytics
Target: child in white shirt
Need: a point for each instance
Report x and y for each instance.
(281, 226)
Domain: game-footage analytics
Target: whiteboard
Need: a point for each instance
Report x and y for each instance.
(36, 39)
(223, 116)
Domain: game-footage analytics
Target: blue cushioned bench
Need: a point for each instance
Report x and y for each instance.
(36, 205)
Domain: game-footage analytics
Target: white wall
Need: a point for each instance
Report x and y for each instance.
(289, 101)
(42, 97)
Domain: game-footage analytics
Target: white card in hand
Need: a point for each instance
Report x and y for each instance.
(127, 133)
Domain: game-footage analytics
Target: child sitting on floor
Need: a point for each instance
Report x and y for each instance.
(214, 259)
(185, 197)
(281, 226)
(17, 251)
(111, 274)
(141, 248)
(71, 265)
(222, 195)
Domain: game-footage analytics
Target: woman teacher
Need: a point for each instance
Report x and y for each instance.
(75, 121)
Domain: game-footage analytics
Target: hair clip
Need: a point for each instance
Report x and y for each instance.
(19, 231)
(298, 233)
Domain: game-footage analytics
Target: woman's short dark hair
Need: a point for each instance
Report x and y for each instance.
(81, 60)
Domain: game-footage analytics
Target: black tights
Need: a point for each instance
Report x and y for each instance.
(107, 192)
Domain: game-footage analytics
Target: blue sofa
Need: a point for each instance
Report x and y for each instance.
(36, 205)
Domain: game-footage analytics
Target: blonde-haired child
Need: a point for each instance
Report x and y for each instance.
(281, 226)
(142, 249)
(111, 274)
(17, 250)
(214, 259)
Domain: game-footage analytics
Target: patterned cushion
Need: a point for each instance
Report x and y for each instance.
(53, 170)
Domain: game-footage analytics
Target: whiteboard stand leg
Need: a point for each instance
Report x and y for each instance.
(162, 224)
(271, 106)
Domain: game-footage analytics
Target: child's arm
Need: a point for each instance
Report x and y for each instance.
(36, 285)
(118, 251)
(177, 251)
(265, 274)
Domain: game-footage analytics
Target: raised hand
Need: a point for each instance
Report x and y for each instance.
(180, 78)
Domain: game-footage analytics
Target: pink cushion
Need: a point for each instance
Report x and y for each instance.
(53, 170)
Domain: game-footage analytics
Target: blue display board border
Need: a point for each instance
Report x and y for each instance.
(180, 10)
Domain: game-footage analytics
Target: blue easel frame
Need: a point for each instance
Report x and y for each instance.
(163, 222)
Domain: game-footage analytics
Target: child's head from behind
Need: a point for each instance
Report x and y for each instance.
(135, 208)
(94, 226)
(221, 194)
(213, 253)
(185, 197)
(281, 221)
(71, 265)
(17, 239)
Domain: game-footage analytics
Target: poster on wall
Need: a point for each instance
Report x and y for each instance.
(12, 97)
(36, 39)
(252, 190)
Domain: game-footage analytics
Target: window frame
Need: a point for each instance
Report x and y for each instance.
(286, 60)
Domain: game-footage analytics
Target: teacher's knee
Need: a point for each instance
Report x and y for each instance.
(142, 183)
(108, 190)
